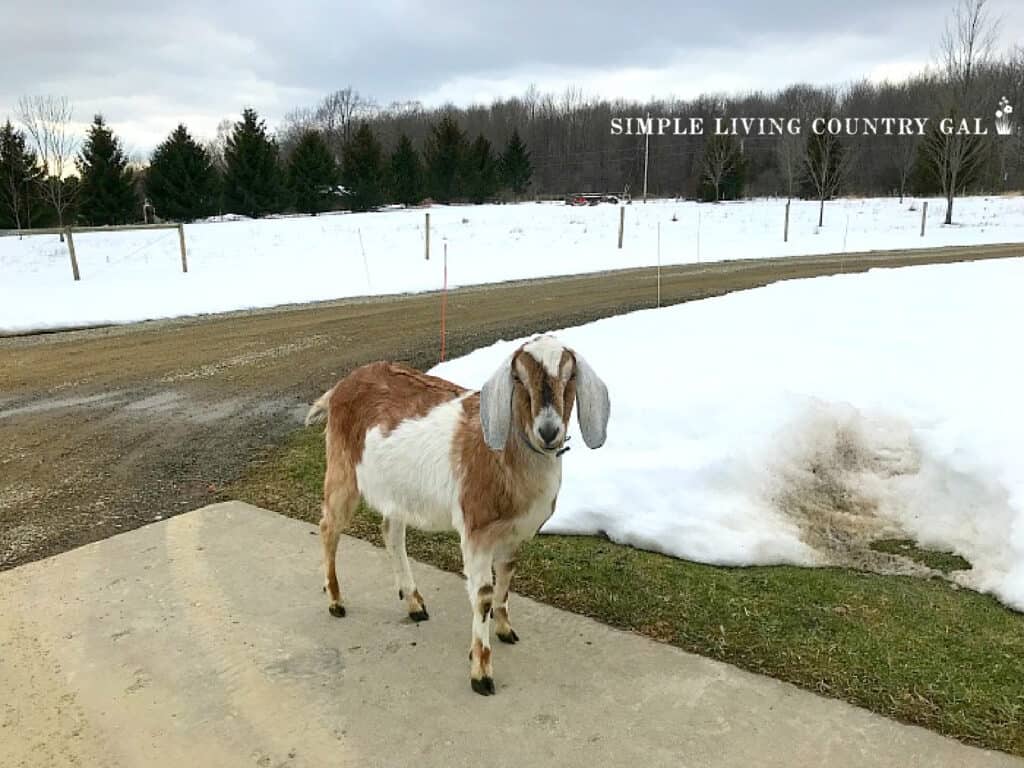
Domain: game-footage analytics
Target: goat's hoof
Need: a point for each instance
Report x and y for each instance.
(484, 686)
(510, 637)
(420, 615)
(337, 610)
(401, 595)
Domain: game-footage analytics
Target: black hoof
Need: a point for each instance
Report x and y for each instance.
(510, 638)
(401, 595)
(420, 615)
(484, 686)
(337, 610)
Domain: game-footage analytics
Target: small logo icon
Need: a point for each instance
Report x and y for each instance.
(1004, 119)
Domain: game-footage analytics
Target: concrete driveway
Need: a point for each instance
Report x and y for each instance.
(204, 640)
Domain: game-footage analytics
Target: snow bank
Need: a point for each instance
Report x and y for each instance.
(796, 423)
(242, 263)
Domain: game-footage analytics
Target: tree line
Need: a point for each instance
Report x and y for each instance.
(246, 173)
(574, 149)
(348, 152)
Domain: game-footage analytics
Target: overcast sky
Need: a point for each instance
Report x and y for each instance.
(149, 65)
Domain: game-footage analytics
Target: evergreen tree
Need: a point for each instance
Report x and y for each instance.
(481, 172)
(362, 170)
(515, 168)
(20, 175)
(406, 180)
(106, 194)
(312, 174)
(181, 181)
(446, 159)
(252, 177)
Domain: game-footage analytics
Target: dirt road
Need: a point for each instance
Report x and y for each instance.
(105, 430)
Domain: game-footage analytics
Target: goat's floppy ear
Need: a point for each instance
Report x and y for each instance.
(593, 406)
(496, 406)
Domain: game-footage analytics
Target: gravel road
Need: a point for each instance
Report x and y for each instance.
(107, 429)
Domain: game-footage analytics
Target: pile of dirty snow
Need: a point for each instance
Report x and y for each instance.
(798, 422)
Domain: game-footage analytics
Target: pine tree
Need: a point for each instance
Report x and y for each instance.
(406, 178)
(481, 172)
(20, 175)
(181, 182)
(106, 194)
(312, 174)
(362, 170)
(515, 167)
(252, 179)
(446, 159)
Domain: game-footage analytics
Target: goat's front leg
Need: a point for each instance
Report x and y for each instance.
(504, 568)
(477, 567)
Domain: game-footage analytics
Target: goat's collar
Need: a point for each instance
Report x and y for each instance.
(528, 444)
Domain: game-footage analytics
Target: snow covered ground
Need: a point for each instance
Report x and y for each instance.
(128, 276)
(795, 423)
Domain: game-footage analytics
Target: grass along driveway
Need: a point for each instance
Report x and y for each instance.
(920, 651)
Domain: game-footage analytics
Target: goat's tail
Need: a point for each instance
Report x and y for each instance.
(318, 412)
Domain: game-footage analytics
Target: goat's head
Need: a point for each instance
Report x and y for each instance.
(532, 394)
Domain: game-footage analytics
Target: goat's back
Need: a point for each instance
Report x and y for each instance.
(381, 395)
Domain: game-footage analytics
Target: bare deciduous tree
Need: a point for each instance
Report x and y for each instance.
(964, 51)
(826, 165)
(215, 146)
(801, 102)
(339, 113)
(720, 154)
(47, 121)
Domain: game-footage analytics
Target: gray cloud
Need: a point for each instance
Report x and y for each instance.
(148, 66)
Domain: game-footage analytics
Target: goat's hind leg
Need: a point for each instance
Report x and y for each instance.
(392, 528)
(340, 501)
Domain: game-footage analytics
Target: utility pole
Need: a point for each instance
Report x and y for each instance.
(647, 153)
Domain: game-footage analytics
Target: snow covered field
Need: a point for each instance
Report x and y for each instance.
(796, 423)
(128, 276)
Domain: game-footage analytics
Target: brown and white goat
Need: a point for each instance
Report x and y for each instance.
(427, 453)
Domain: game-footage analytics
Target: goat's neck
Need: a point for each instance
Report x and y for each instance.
(521, 452)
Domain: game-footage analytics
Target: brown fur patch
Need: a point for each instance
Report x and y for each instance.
(484, 600)
(380, 395)
(497, 486)
(480, 658)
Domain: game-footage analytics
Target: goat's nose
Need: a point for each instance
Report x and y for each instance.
(548, 433)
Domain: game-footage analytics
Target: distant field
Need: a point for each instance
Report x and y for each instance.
(131, 276)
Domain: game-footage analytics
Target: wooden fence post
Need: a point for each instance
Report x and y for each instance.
(181, 241)
(698, 235)
(444, 302)
(426, 236)
(924, 216)
(622, 223)
(71, 252)
(659, 263)
(785, 230)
